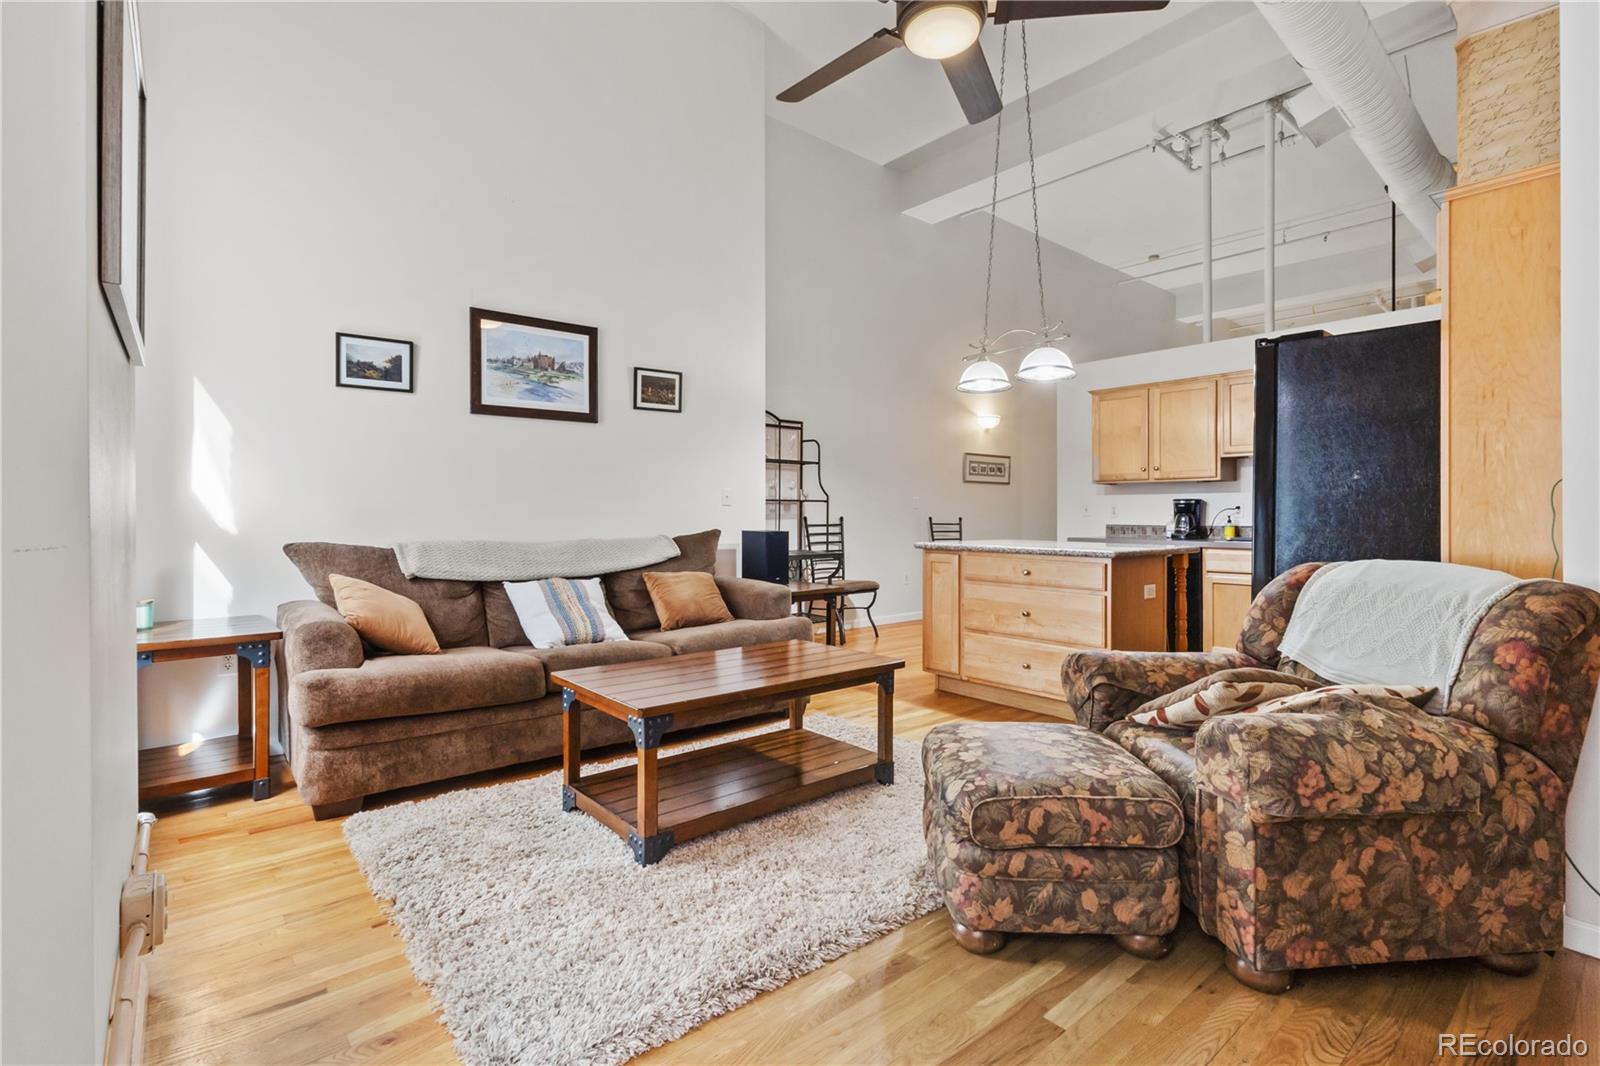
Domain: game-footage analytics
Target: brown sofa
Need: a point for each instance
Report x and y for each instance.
(357, 722)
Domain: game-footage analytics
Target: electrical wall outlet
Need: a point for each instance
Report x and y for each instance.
(727, 497)
(1113, 510)
(1149, 592)
(227, 663)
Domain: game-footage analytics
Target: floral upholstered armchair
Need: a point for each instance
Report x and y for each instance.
(1349, 834)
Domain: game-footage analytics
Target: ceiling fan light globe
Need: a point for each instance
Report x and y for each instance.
(941, 30)
(985, 375)
(1047, 363)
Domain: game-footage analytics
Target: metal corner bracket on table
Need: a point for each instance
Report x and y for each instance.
(647, 851)
(649, 732)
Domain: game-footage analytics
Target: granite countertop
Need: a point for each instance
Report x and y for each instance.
(1237, 544)
(1092, 549)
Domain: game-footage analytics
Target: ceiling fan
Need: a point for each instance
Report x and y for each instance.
(947, 30)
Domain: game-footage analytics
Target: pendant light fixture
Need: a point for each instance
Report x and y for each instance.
(1046, 361)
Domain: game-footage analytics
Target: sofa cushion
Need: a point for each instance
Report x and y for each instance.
(625, 589)
(385, 619)
(1168, 752)
(454, 609)
(739, 633)
(685, 600)
(394, 685)
(1046, 784)
(577, 656)
(557, 611)
(505, 628)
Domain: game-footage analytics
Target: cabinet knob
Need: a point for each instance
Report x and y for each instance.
(1158, 468)
(1027, 666)
(1027, 614)
(1026, 571)
(1141, 469)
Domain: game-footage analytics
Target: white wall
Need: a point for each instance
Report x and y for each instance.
(381, 168)
(67, 760)
(1084, 509)
(869, 313)
(1580, 398)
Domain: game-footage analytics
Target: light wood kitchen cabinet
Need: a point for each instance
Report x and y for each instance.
(1172, 430)
(1183, 431)
(999, 625)
(1236, 408)
(1500, 347)
(1225, 596)
(1122, 435)
(941, 612)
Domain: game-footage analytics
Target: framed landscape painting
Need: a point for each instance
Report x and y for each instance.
(533, 367)
(371, 362)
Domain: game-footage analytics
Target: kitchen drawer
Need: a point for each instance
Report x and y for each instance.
(1060, 571)
(1226, 560)
(1066, 616)
(1029, 665)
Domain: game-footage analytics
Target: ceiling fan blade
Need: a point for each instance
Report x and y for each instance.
(880, 43)
(1017, 10)
(974, 85)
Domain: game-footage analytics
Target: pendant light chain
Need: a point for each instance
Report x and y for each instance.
(994, 189)
(1033, 180)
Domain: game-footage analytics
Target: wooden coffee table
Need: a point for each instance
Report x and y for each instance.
(661, 802)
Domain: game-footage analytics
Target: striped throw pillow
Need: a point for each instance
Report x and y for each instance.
(560, 611)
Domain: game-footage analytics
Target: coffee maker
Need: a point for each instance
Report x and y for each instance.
(1189, 520)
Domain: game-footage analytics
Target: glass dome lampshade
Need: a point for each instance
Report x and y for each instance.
(941, 30)
(983, 375)
(1046, 363)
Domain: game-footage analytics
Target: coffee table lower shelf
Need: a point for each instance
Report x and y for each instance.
(712, 788)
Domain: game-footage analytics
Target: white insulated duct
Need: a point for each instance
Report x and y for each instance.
(1335, 44)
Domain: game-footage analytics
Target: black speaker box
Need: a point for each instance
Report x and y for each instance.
(765, 555)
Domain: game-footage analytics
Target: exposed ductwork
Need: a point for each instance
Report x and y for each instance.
(1340, 52)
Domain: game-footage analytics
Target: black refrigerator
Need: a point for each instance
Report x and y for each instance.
(1346, 448)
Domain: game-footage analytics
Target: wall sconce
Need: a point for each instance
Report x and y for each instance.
(988, 422)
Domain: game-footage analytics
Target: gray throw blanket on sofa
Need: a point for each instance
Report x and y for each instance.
(509, 560)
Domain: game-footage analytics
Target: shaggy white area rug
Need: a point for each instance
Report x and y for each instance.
(543, 942)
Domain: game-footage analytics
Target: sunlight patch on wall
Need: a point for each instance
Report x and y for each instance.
(211, 461)
(213, 593)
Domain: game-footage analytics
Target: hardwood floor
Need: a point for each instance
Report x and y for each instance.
(277, 953)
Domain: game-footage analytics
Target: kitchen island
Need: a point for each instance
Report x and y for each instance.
(1000, 616)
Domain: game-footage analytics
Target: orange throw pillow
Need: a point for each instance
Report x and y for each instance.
(687, 598)
(384, 619)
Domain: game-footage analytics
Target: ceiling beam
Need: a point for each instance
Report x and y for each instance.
(1121, 103)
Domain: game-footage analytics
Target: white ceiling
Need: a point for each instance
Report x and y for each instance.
(1104, 87)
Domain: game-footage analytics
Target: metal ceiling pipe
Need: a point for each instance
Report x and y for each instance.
(1336, 46)
(1269, 217)
(1205, 239)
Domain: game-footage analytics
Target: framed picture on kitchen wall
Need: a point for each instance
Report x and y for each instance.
(534, 367)
(986, 469)
(371, 362)
(657, 390)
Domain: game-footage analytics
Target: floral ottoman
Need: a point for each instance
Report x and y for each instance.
(1040, 827)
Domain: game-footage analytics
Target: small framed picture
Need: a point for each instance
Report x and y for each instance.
(533, 367)
(371, 362)
(657, 390)
(986, 469)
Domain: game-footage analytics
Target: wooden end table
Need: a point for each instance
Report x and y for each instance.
(179, 768)
(659, 803)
